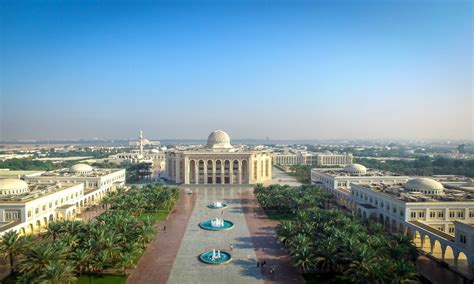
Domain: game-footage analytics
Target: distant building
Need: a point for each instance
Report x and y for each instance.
(312, 159)
(219, 163)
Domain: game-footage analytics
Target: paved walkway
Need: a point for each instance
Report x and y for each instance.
(264, 241)
(188, 269)
(282, 178)
(156, 263)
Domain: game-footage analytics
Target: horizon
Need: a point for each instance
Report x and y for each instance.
(303, 70)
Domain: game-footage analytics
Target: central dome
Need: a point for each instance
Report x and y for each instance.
(218, 139)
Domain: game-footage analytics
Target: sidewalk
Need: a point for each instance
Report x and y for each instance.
(156, 263)
(262, 231)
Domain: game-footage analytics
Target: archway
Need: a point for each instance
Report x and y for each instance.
(51, 217)
(201, 172)
(30, 229)
(417, 239)
(219, 175)
(38, 226)
(209, 172)
(235, 171)
(463, 264)
(227, 172)
(22, 232)
(426, 244)
(449, 255)
(192, 171)
(437, 250)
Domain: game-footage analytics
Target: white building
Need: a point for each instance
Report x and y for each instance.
(30, 204)
(437, 218)
(338, 180)
(312, 159)
(27, 208)
(219, 163)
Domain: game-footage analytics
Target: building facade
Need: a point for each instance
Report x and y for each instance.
(438, 219)
(28, 205)
(219, 163)
(312, 159)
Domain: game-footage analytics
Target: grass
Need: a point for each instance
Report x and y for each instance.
(280, 216)
(154, 216)
(101, 279)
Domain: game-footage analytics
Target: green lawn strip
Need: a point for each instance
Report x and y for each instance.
(101, 279)
(155, 216)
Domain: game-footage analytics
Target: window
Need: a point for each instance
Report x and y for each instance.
(44, 207)
(460, 214)
(451, 230)
(440, 214)
(56, 203)
(29, 214)
(421, 214)
(432, 214)
(36, 210)
(471, 214)
(451, 214)
(462, 239)
(50, 204)
(413, 214)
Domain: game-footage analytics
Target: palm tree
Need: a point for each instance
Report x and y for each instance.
(39, 256)
(82, 258)
(57, 272)
(54, 228)
(126, 260)
(405, 273)
(12, 245)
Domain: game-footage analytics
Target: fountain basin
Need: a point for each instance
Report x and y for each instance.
(217, 205)
(207, 258)
(207, 225)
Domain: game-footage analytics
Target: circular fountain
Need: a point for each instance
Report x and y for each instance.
(216, 224)
(215, 257)
(217, 205)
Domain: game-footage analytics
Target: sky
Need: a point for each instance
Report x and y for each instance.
(278, 69)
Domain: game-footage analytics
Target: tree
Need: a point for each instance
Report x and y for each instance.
(54, 228)
(57, 272)
(12, 245)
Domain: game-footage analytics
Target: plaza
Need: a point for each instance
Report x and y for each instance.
(173, 257)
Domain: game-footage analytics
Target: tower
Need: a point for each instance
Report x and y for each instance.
(140, 138)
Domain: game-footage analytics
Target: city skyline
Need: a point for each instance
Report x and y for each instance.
(304, 70)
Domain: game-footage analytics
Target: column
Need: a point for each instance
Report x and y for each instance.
(239, 175)
(213, 171)
(186, 170)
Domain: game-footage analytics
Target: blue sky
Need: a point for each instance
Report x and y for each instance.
(283, 69)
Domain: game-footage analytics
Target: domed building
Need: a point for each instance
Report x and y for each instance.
(424, 185)
(355, 169)
(10, 186)
(80, 169)
(218, 162)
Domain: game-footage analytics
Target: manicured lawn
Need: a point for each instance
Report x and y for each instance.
(101, 279)
(155, 216)
(279, 216)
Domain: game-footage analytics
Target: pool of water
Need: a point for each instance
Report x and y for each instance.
(206, 225)
(206, 257)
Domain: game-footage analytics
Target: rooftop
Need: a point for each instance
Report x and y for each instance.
(398, 191)
(95, 172)
(341, 172)
(36, 190)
